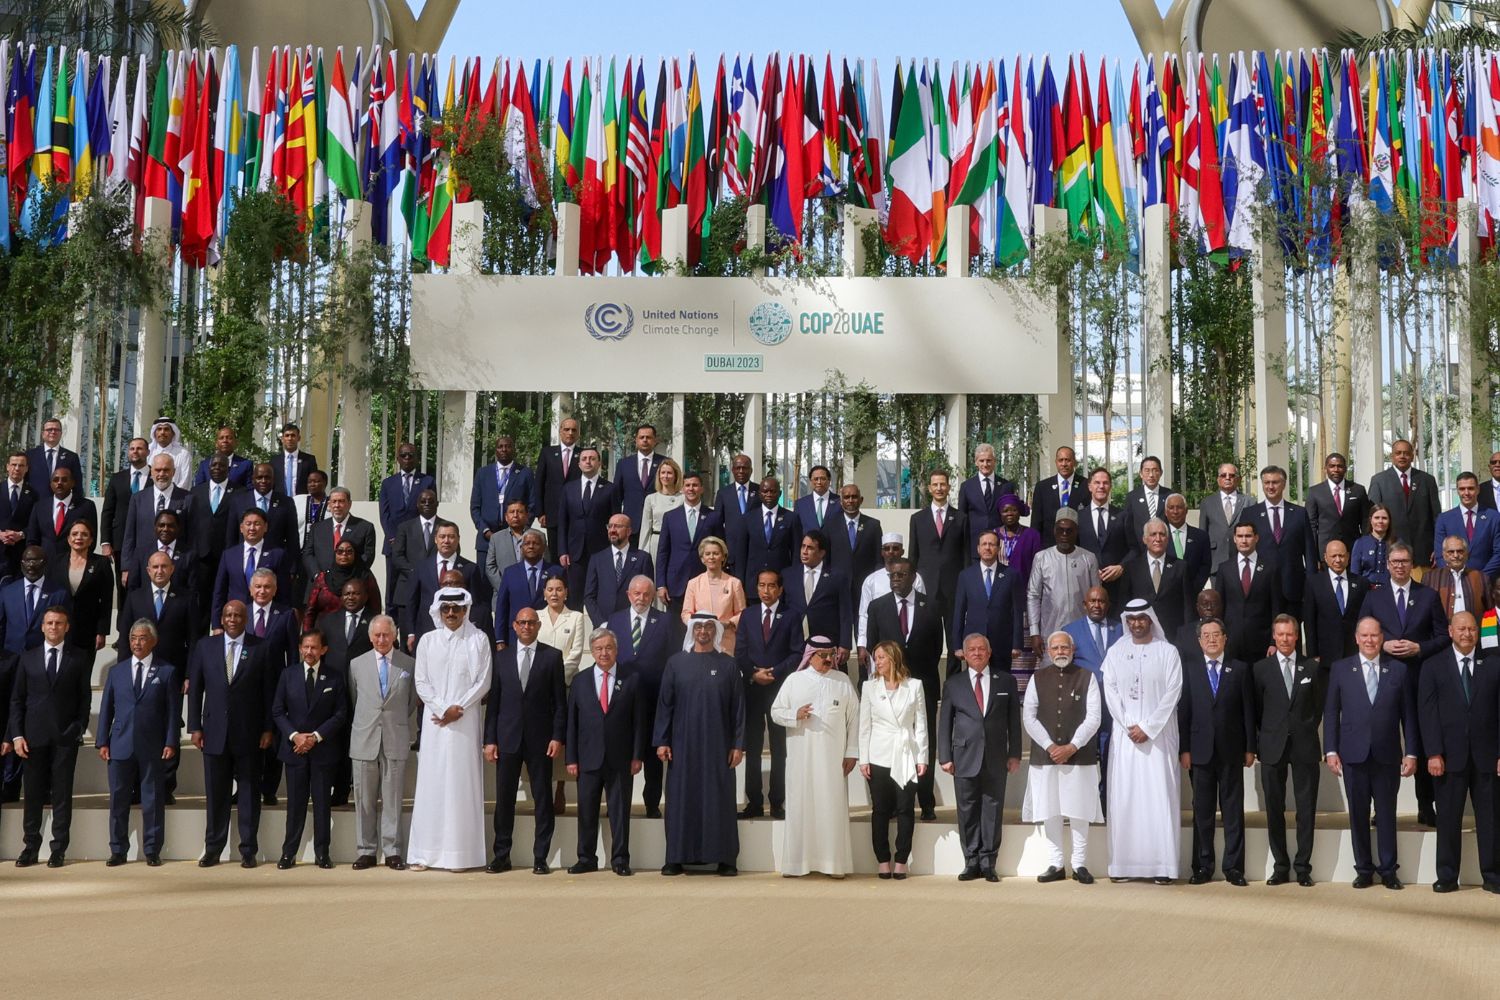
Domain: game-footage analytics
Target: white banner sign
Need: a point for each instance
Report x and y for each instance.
(678, 334)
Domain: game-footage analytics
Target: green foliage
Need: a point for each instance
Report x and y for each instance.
(517, 236)
(108, 27)
(37, 328)
(1454, 33)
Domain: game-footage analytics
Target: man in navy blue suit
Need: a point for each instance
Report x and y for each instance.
(979, 744)
(767, 650)
(647, 637)
(606, 743)
(17, 497)
(735, 503)
(239, 562)
(292, 465)
(1415, 628)
(819, 595)
(231, 683)
(979, 497)
(991, 602)
(611, 570)
(309, 709)
(815, 506)
(398, 504)
(282, 529)
(523, 584)
(51, 519)
(1471, 522)
(225, 441)
(427, 579)
(495, 485)
(853, 541)
(1370, 717)
(587, 503)
(49, 456)
(137, 734)
(23, 601)
(770, 537)
(682, 528)
(556, 466)
(635, 475)
(159, 495)
(1285, 536)
(1066, 489)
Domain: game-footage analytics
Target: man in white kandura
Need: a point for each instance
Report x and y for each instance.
(820, 711)
(1142, 684)
(452, 676)
(1061, 713)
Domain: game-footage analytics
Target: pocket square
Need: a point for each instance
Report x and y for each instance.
(1305, 680)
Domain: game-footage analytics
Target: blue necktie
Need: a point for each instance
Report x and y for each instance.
(215, 497)
(1338, 592)
(533, 583)
(159, 600)
(249, 565)
(291, 474)
(769, 525)
(384, 679)
(742, 499)
(1401, 606)
(853, 527)
(502, 480)
(263, 503)
(1213, 677)
(989, 581)
(135, 483)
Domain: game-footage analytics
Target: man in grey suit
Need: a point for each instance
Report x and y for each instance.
(383, 689)
(1220, 511)
(1336, 507)
(505, 546)
(1412, 496)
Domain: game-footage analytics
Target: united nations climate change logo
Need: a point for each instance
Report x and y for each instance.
(609, 320)
(770, 323)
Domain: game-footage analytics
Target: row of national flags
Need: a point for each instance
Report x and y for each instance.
(1310, 133)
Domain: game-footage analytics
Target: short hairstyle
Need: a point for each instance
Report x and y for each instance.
(263, 572)
(1284, 619)
(586, 449)
(938, 472)
(992, 533)
(692, 474)
(289, 426)
(382, 620)
(1332, 455)
(1098, 469)
(984, 449)
(1462, 542)
(344, 490)
(1273, 470)
(898, 561)
(716, 542)
(638, 578)
(534, 531)
(51, 420)
(312, 633)
(644, 427)
(1149, 522)
(252, 512)
(171, 515)
(521, 501)
(1151, 458)
(775, 575)
(825, 469)
(1395, 547)
(1060, 634)
(817, 538)
(1466, 475)
(142, 625)
(979, 636)
(58, 609)
(1211, 621)
(603, 633)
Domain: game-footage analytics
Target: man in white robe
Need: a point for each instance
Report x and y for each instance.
(166, 439)
(1060, 577)
(1142, 685)
(1061, 713)
(452, 676)
(820, 711)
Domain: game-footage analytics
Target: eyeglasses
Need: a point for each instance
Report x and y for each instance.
(528, 623)
(445, 608)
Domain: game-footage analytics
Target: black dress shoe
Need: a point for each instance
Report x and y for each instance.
(885, 875)
(1305, 881)
(153, 861)
(207, 862)
(115, 861)
(778, 813)
(364, 862)
(1161, 880)
(396, 863)
(1052, 874)
(898, 876)
(928, 816)
(1426, 819)
(1083, 876)
(653, 812)
(1391, 881)
(969, 874)
(1199, 878)
(268, 800)
(1236, 880)
(171, 799)
(540, 868)
(1363, 881)
(671, 869)
(728, 870)
(325, 862)
(1445, 887)
(582, 868)
(249, 862)
(497, 866)
(1277, 878)
(56, 860)
(990, 876)
(1492, 887)
(26, 859)
(623, 870)
(285, 863)
(339, 800)
(749, 813)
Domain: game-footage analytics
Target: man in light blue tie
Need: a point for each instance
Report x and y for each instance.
(383, 690)
(1216, 728)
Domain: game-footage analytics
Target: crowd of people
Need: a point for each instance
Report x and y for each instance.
(606, 628)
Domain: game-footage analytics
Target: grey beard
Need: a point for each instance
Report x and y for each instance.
(1062, 661)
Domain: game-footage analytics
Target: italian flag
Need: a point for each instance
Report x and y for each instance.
(1015, 206)
(910, 228)
(977, 169)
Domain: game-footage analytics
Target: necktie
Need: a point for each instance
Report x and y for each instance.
(230, 656)
(62, 512)
(1245, 575)
(30, 601)
(1213, 677)
(51, 459)
(1401, 605)
(214, 498)
(646, 474)
(619, 564)
(636, 628)
(989, 580)
(353, 620)
(427, 535)
(853, 527)
(742, 498)
(905, 620)
(1372, 681)
(291, 473)
(263, 502)
(979, 691)
(765, 627)
(338, 534)
(385, 678)
(161, 597)
(1099, 637)
(1468, 676)
(1338, 499)
(1338, 592)
(502, 480)
(588, 495)
(311, 683)
(1469, 526)
(937, 515)
(161, 501)
(533, 583)
(1065, 492)
(1405, 486)
(15, 496)
(1286, 674)
(405, 497)
(809, 585)
(1229, 508)
(770, 524)
(1103, 525)
(1276, 523)
(249, 563)
(260, 622)
(524, 668)
(567, 457)
(139, 677)
(135, 485)
(52, 665)
(604, 693)
(989, 495)
(1151, 503)
(692, 521)
(1156, 575)
(442, 568)
(1177, 541)
(820, 511)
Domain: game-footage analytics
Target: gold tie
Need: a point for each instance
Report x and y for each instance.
(1156, 575)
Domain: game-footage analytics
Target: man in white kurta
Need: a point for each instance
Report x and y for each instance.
(1061, 713)
(1142, 684)
(1060, 575)
(452, 676)
(820, 710)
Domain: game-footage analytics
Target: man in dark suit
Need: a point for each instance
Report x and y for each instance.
(1145, 501)
(1336, 507)
(51, 520)
(240, 561)
(525, 722)
(115, 513)
(819, 595)
(523, 584)
(646, 637)
(556, 466)
(770, 541)
(1411, 619)
(1283, 535)
(1369, 740)
(49, 456)
(1187, 545)
(853, 541)
(231, 683)
(990, 601)
(682, 528)
(769, 651)
(282, 531)
(1066, 489)
(346, 632)
(1251, 589)
(291, 464)
(168, 528)
(938, 546)
(635, 474)
(979, 744)
(427, 579)
(1479, 528)
(225, 442)
(737, 504)
(413, 542)
(1102, 530)
(606, 743)
(140, 524)
(16, 500)
(495, 485)
(611, 571)
(813, 508)
(979, 498)
(1215, 726)
(1331, 604)
(1286, 692)
(1458, 711)
(139, 723)
(1458, 587)
(339, 526)
(583, 521)
(911, 621)
(50, 700)
(398, 497)
(1151, 575)
(208, 532)
(1412, 496)
(310, 710)
(173, 613)
(1491, 488)
(23, 601)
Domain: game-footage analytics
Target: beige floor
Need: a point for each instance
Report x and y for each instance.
(88, 931)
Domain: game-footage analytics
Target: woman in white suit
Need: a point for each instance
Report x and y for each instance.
(563, 630)
(668, 497)
(892, 748)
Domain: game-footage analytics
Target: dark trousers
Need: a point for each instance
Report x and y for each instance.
(617, 784)
(577, 575)
(889, 799)
(980, 800)
(758, 698)
(268, 774)
(1220, 785)
(48, 780)
(124, 775)
(926, 798)
(674, 615)
(652, 769)
(1366, 783)
(1426, 792)
(1273, 778)
(1478, 785)
(313, 779)
(507, 782)
(219, 769)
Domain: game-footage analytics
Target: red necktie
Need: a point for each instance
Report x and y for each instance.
(1276, 523)
(1469, 527)
(1338, 499)
(1405, 486)
(338, 534)
(62, 512)
(765, 627)
(938, 514)
(979, 691)
(1245, 577)
(604, 694)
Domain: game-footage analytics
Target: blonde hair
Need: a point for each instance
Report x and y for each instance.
(899, 673)
(716, 542)
(677, 488)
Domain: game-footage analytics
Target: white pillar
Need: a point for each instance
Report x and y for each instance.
(1267, 288)
(354, 420)
(753, 437)
(456, 469)
(1057, 409)
(151, 354)
(955, 404)
(674, 237)
(1473, 449)
(1367, 421)
(1156, 272)
(858, 469)
(679, 429)
(568, 221)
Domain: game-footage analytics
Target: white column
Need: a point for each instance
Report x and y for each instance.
(354, 420)
(151, 354)
(568, 221)
(679, 427)
(1473, 450)
(1156, 272)
(1057, 409)
(674, 237)
(456, 469)
(1367, 420)
(1267, 288)
(858, 469)
(955, 404)
(753, 437)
